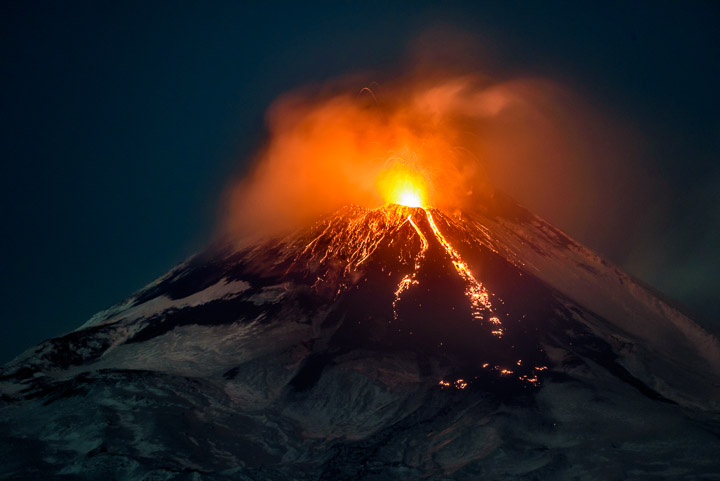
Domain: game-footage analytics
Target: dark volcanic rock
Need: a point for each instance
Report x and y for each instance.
(356, 350)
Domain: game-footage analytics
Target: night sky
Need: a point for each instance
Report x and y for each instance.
(122, 124)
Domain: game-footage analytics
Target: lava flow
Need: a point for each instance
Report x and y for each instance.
(403, 186)
(356, 233)
(411, 279)
(475, 291)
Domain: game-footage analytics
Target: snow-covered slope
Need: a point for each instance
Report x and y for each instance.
(394, 343)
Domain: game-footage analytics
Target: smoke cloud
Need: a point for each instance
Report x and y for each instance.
(462, 134)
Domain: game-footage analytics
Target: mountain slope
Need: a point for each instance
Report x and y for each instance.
(393, 343)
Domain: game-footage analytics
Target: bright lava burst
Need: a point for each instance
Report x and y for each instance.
(410, 199)
(403, 185)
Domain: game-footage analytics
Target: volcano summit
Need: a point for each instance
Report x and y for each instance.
(400, 342)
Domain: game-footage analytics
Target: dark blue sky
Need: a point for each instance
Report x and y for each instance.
(122, 122)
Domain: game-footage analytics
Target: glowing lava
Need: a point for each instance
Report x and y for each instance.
(410, 199)
(400, 184)
(410, 279)
(356, 237)
(403, 185)
(476, 293)
(355, 233)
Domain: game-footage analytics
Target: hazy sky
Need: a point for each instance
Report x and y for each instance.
(122, 123)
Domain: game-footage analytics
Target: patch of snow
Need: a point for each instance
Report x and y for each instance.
(127, 312)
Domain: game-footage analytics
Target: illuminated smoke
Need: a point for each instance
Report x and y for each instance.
(452, 138)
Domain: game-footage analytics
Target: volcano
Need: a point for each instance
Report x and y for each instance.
(378, 344)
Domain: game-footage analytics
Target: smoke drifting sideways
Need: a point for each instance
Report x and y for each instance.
(462, 134)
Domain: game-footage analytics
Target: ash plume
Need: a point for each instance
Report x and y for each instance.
(463, 134)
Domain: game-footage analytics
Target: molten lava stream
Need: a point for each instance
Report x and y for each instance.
(410, 279)
(479, 298)
(475, 291)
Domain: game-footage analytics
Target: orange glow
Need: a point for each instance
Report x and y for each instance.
(402, 185)
(355, 238)
(459, 384)
(410, 199)
(411, 146)
(354, 235)
(410, 279)
(434, 143)
(454, 136)
(419, 233)
(476, 292)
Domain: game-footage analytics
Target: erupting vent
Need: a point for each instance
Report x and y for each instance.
(355, 234)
